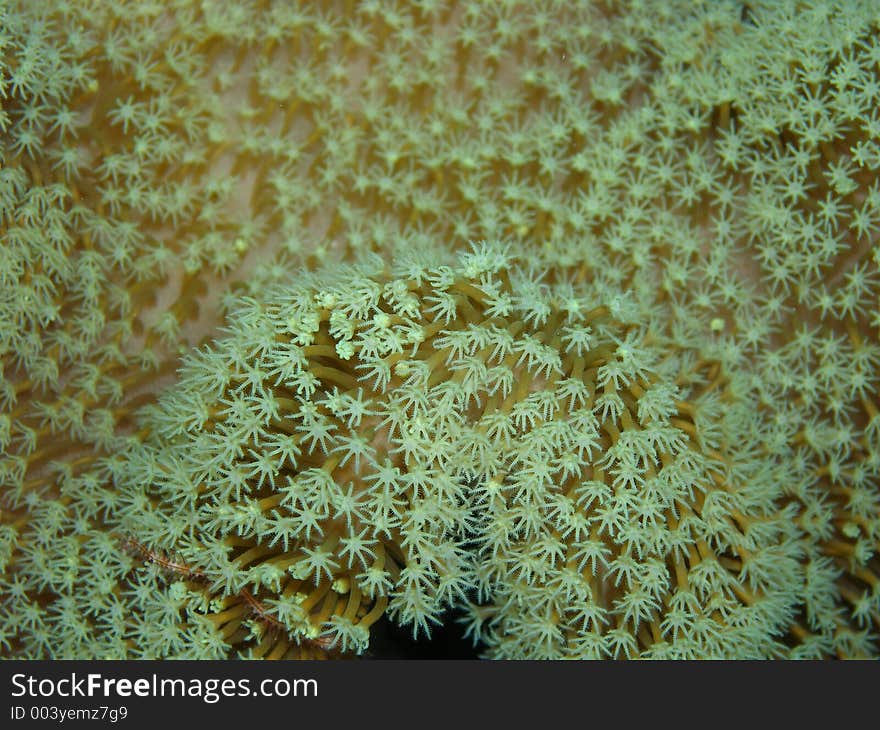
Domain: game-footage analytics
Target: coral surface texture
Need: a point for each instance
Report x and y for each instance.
(340, 329)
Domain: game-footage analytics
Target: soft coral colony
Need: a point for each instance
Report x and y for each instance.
(555, 319)
(579, 477)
